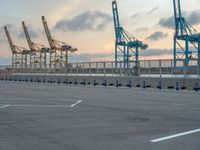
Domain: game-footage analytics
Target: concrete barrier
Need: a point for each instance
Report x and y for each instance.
(144, 82)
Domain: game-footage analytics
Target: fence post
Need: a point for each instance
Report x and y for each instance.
(112, 69)
(160, 66)
(77, 69)
(90, 71)
(139, 69)
(120, 69)
(104, 68)
(149, 65)
(97, 68)
(83, 68)
(198, 69)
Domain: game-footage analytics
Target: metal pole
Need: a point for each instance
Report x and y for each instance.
(160, 66)
(139, 69)
(83, 68)
(172, 68)
(77, 69)
(149, 65)
(90, 71)
(96, 67)
(104, 68)
(112, 68)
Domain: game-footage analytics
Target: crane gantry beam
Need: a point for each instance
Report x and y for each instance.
(184, 32)
(38, 54)
(19, 54)
(126, 45)
(59, 50)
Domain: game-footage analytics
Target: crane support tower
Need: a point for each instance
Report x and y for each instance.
(126, 45)
(38, 54)
(59, 50)
(19, 54)
(189, 50)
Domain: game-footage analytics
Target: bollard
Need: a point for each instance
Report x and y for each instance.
(58, 81)
(95, 83)
(144, 84)
(117, 83)
(159, 85)
(75, 82)
(129, 84)
(196, 88)
(44, 81)
(105, 83)
(177, 86)
(84, 82)
(66, 82)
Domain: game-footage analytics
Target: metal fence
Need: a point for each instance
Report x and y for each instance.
(145, 68)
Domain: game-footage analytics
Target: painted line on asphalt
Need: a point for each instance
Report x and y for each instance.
(175, 136)
(4, 106)
(73, 105)
(43, 106)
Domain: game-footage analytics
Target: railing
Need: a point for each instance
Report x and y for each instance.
(145, 68)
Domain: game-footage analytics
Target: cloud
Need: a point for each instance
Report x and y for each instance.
(156, 52)
(135, 15)
(33, 34)
(157, 36)
(167, 22)
(87, 57)
(193, 18)
(153, 10)
(146, 13)
(89, 20)
(142, 29)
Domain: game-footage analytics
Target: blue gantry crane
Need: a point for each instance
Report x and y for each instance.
(184, 32)
(126, 45)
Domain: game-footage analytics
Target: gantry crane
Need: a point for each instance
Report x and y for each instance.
(38, 54)
(59, 50)
(126, 45)
(19, 54)
(186, 33)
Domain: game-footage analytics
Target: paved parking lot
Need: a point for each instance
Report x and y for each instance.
(38, 116)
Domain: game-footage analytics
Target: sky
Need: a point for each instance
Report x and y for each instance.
(88, 25)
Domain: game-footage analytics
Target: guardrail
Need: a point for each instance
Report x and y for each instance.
(145, 68)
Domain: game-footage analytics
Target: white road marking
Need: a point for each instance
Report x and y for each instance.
(73, 105)
(4, 106)
(175, 136)
(43, 106)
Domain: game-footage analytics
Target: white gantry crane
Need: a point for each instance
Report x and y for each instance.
(19, 54)
(38, 54)
(59, 50)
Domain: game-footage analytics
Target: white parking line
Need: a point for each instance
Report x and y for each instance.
(73, 105)
(175, 136)
(43, 106)
(4, 106)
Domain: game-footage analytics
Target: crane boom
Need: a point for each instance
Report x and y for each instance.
(10, 40)
(46, 28)
(27, 35)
